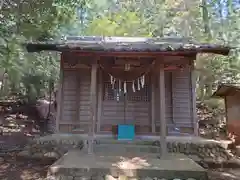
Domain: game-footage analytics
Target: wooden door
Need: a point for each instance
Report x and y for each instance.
(131, 108)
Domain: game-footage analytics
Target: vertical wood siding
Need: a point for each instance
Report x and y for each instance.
(233, 107)
(178, 104)
(168, 100)
(84, 98)
(233, 115)
(69, 97)
(76, 100)
(181, 97)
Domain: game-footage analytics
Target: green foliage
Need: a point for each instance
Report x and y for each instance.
(211, 21)
(122, 23)
(25, 20)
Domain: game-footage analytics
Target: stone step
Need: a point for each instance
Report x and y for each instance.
(111, 166)
(125, 148)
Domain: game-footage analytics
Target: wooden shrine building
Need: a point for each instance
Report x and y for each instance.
(231, 95)
(146, 82)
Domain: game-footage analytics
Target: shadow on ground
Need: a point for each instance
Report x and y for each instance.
(224, 174)
(14, 169)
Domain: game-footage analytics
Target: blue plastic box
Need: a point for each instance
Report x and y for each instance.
(126, 132)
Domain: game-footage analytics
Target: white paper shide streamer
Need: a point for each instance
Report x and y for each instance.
(112, 79)
(133, 86)
(125, 87)
(120, 86)
(136, 84)
(142, 81)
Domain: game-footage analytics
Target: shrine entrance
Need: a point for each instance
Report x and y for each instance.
(126, 94)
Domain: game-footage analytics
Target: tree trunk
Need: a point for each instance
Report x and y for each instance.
(230, 8)
(220, 11)
(205, 16)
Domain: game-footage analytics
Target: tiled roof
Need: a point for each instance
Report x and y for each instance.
(128, 44)
(226, 89)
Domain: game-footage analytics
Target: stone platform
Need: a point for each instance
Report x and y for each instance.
(73, 163)
(110, 165)
(199, 149)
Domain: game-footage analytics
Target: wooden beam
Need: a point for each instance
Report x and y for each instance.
(59, 101)
(100, 98)
(78, 66)
(93, 107)
(136, 54)
(60, 97)
(194, 109)
(163, 128)
(153, 117)
(226, 113)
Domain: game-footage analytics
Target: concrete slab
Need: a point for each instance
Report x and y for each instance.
(138, 165)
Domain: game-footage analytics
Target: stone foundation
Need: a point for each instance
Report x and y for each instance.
(50, 147)
(57, 145)
(200, 151)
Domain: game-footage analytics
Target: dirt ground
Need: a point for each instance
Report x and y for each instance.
(224, 174)
(12, 168)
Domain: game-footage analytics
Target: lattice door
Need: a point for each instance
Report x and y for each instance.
(133, 108)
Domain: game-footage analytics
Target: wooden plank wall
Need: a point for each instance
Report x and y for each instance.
(233, 115)
(178, 101)
(181, 99)
(69, 97)
(168, 100)
(76, 96)
(84, 99)
(76, 101)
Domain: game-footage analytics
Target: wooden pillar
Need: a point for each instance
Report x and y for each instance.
(194, 109)
(163, 130)
(93, 107)
(59, 99)
(226, 114)
(99, 102)
(78, 98)
(172, 96)
(153, 117)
